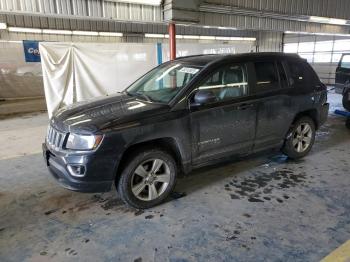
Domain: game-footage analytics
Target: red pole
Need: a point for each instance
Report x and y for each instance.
(172, 41)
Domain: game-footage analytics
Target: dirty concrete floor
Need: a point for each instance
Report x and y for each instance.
(263, 208)
(12, 107)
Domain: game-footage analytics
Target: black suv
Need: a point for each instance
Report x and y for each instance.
(183, 114)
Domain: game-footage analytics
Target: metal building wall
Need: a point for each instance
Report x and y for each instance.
(13, 36)
(270, 42)
(275, 15)
(6, 36)
(104, 24)
(272, 15)
(84, 8)
(269, 24)
(325, 8)
(124, 11)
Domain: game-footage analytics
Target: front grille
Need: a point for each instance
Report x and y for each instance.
(55, 138)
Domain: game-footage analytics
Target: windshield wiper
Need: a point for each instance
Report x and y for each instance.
(148, 98)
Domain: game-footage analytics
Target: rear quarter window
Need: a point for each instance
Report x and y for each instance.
(301, 74)
(296, 73)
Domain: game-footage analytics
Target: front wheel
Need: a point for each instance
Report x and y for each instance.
(300, 138)
(147, 179)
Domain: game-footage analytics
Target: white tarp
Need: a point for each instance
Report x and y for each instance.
(75, 72)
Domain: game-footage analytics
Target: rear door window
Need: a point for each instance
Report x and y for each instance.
(266, 76)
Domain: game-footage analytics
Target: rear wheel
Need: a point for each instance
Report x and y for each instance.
(347, 123)
(346, 100)
(300, 138)
(147, 179)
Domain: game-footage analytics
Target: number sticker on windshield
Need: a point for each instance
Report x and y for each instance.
(189, 70)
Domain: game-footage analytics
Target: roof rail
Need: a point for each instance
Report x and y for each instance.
(189, 56)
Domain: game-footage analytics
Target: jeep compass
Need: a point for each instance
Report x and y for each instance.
(183, 114)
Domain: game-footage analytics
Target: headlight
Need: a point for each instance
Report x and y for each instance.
(80, 142)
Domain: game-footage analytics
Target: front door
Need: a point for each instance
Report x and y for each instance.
(225, 126)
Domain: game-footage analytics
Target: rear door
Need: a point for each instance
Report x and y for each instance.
(342, 74)
(275, 110)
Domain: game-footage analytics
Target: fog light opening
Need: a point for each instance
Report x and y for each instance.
(77, 170)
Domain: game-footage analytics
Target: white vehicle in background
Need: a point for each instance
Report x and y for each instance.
(7, 68)
(30, 70)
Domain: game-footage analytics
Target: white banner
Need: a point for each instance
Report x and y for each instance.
(75, 72)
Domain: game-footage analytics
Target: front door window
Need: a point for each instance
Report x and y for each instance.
(227, 83)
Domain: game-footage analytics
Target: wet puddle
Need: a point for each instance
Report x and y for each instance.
(261, 186)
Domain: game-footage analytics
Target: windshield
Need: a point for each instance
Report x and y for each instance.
(164, 82)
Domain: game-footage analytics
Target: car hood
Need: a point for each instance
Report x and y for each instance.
(104, 113)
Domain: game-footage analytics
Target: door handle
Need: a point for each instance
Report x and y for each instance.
(244, 106)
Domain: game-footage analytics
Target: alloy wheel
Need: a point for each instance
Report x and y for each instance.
(150, 179)
(302, 137)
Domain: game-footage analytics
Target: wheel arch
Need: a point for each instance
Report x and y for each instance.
(168, 144)
(312, 113)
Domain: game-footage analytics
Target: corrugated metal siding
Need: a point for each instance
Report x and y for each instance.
(326, 8)
(260, 23)
(104, 24)
(131, 38)
(270, 42)
(91, 8)
(58, 38)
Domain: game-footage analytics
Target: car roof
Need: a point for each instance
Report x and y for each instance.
(203, 60)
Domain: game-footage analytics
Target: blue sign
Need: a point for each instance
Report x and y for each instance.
(31, 51)
(159, 53)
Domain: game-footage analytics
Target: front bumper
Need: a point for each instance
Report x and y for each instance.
(58, 167)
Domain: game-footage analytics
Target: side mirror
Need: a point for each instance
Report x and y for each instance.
(204, 96)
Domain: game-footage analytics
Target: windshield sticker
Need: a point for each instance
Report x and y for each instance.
(189, 70)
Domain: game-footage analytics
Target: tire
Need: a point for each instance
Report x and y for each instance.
(138, 174)
(304, 141)
(346, 100)
(347, 123)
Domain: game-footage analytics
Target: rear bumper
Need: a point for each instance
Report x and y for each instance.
(57, 165)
